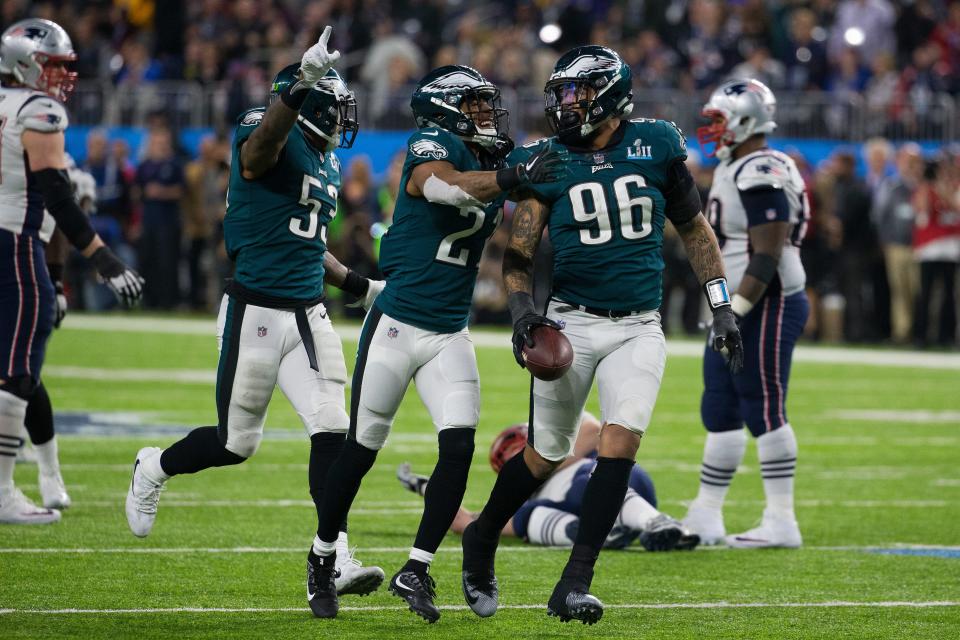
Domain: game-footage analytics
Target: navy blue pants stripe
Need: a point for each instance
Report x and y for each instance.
(758, 394)
(26, 305)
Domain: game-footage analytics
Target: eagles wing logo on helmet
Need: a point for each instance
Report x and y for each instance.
(428, 149)
(585, 65)
(458, 80)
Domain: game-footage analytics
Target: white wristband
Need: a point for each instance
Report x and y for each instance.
(740, 305)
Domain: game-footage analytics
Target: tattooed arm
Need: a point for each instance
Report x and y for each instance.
(261, 151)
(702, 248)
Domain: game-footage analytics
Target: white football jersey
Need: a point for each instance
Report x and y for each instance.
(21, 203)
(727, 215)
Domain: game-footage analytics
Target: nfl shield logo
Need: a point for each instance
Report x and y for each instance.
(261, 332)
(392, 332)
(598, 158)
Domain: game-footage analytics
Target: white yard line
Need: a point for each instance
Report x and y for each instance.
(501, 339)
(893, 604)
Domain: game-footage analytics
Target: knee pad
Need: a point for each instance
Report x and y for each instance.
(457, 445)
(329, 417)
(461, 409)
(243, 443)
(20, 386)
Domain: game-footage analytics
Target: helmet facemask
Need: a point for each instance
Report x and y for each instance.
(481, 106)
(574, 110)
(55, 78)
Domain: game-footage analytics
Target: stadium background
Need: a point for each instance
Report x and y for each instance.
(856, 80)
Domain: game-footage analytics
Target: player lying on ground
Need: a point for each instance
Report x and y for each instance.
(759, 209)
(551, 517)
(36, 196)
(273, 329)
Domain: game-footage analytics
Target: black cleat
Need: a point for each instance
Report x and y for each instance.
(321, 588)
(419, 592)
(478, 578)
(572, 601)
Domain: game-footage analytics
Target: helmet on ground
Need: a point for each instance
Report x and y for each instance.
(509, 443)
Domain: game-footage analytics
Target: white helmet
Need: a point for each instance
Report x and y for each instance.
(33, 52)
(737, 109)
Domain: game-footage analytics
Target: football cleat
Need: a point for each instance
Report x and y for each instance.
(662, 533)
(478, 578)
(143, 496)
(419, 592)
(16, 508)
(321, 585)
(410, 480)
(775, 531)
(54, 492)
(352, 577)
(572, 601)
(706, 523)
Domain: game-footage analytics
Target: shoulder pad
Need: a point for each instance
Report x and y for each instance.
(522, 153)
(433, 143)
(765, 170)
(42, 113)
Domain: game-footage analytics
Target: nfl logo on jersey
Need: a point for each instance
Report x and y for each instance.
(261, 332)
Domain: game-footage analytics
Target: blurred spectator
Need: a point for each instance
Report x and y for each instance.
(880, 92)
(160, 182)
(915, 101)
(806, 61)
(393, 63)
(679, 280)
(893, 217)
(761, 66)
(865, 24)
(204, 205)
(113, 179)
(936, 243)
(710, 48)
(877, 155)
(946, 37)
(357, 195)
(388, 191)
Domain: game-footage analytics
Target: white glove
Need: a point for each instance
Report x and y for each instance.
(60, 307)
(316, 62)
(128, 287)
(373, 290)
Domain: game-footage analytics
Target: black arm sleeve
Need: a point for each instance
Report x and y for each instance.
(60, 201)
(682, 196)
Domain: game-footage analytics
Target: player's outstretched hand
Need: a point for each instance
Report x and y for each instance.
(725, 335)
(523, 333)
(366, 301)
(316, 62)
(546, 165)
(125, 283)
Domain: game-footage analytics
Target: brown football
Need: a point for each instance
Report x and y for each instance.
(551, 354)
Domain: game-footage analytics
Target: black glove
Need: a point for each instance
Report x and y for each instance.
(546, 165)
(502, 146)
(125, 283)
(526, 319)
(725, 333)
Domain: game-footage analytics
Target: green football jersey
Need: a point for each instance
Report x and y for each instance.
(430, 253)
(607, 216)
(275, 228)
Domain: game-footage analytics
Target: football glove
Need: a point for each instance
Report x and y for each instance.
(366, 300)
(546, 165)
(125, 283)
(523, 333)
(60, 306)
(315, 63)
(724, 337)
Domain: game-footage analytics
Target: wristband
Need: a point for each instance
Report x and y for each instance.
(508, 178)
(294, 100)
(717, 293)
(355, 284)
(741, 306)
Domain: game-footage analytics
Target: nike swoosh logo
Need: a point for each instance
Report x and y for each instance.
(428, 133)
(400, 584)
(310, 596)
(471, 599)
(530, 164)
(135, 465)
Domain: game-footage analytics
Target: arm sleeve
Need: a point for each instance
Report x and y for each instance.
(44, 114)
(682, 195)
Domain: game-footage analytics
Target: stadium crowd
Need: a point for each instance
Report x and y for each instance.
(882, 250)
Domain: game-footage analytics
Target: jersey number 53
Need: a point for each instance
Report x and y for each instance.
(297, 224)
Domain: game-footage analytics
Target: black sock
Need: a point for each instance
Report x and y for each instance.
(324, 449)
(417, 566)
(445, 490)
(514, 485)
(39, 418)
(602, 500)
(343, 483)
(198, 450)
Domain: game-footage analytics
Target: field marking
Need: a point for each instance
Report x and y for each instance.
(501, 339)
(920, 416)
(830, 604)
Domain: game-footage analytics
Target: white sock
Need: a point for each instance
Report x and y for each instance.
(342, 546)
(777, 451)
(322, 548)
(13, 410)
(722, 453)
(636, 512)
(420, 555)
(152, 469)
(552, 527)
(48, 457)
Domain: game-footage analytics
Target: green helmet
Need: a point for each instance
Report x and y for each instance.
(330, 111)
(592, 66)
(440, 95)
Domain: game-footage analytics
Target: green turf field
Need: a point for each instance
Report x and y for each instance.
(878, 471)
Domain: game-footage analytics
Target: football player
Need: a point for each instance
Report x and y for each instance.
(606, 223)
(551, 516)
(35, 196)
(450, 202)
(273, 328)
(759, 210)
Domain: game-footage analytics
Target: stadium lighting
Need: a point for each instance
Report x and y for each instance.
(854, 36)
(550, 33)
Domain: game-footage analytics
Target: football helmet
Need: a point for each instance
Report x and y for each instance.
(330, 111)
(442, 95)
(34, 51)
(737, 110)
(589, 85)
(509, 443)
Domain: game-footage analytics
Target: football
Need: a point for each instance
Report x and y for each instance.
(551, 354)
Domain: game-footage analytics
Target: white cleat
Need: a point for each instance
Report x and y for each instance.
(16, 508)
(706, 523)
(143, 496)
(53, 491)
(353, 577)
(775, 531)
